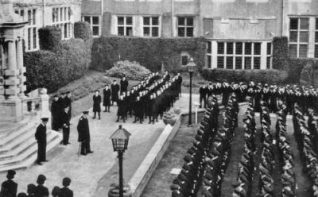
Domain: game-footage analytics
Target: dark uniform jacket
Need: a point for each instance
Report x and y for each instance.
(83, 130)
(123, 85)
(114, 88)
(40, 134)
(9, 189)
(106, 94)
(66, 192)
(96, 103)
(41, 191)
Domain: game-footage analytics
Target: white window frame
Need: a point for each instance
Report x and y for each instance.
(316, 38)
(209, 54)
(61, 18)
(269, 55)
(298, 30)
(30, 31)
(91, 25)
(185, 26)
(151, 26)
(125, 25)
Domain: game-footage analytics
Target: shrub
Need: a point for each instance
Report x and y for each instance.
(53, 70)
(82, 30)
(149, 52)
(295, 68)
(132, 70)
(263, 76)
(309, 73)
(280, 53)
(50, 37)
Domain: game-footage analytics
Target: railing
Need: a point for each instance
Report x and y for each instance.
(36, 103)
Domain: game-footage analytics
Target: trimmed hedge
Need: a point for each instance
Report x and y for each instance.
(53, 70)
(149, 52)
(264, 76)
(82, 30)
(50, 37)
(280, 53)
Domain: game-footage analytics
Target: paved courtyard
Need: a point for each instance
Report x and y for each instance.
(92, 174)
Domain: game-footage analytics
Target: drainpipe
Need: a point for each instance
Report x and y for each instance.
(43, 13)
(172, 15)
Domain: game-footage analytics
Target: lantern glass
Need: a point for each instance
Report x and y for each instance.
(191, 65)
(120, 139)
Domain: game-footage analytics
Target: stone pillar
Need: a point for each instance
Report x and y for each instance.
(12, 81)
(21, 69)
(44, 105)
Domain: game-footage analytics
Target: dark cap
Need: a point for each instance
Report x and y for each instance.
(11, 173)
(85, 112)
(44, 119)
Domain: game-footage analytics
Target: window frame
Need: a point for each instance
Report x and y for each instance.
(63, 22)
(151, 26)
(185, 26)
(298, 43)
(92, 25)
(125, 26)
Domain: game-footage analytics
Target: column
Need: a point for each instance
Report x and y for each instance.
(12, 81)
(263, 55)
(21, 69)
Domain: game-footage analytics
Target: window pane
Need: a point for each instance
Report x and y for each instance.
(155, 31)
(316, 51)
(220, 47)
(293, 23)
(303, 37)
(181, 32)
(257, 62)
(293, 50)
(129, 20)
(146, 31)
(29, 38)
(95, 31)
(316, 36)
(303, 50)
(293, 35)
(95, 20)
(257, 48)
(120, 20)
(22, 13)
(69, 13)
(269, 48)
(239, 48)
(220, 62)
(209, 61)
(146, 21)
(65, 31)
(238, 63)
(304, 23)
(229, 48)
(155, 20)
(248, 48)
(248, 63)
(61, 14)
(34, 17)
(65, 14)
(316, 24)
(209, 48)
(184, 60)
(29, 17)
(87, 19)
(181, 21)
(268, 62)
(34, 38)
(189, 32)
(229, 62)
(121, 31)
(129, 31)
(190, 21)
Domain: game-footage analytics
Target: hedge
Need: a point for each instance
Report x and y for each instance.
(82, 30)
(50, 37)
(264, 76)
(280, 53)
(52, 70)
(296, 66)
(149, 52)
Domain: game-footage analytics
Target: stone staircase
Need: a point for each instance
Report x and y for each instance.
(18, 147)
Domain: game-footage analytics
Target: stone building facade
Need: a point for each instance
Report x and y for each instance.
(239, 32)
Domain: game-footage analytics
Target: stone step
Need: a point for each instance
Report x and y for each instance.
(12, 127)
(29, 155)
(31, 158)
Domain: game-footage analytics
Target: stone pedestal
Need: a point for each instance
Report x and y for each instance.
(11, 110)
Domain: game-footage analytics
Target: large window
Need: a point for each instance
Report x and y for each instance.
(151, 26)
(298, 37)
(185, 26)
(239, 55)
(95, 24)
(30, 32)
(125, 25)
(61, 17)
(269, 55)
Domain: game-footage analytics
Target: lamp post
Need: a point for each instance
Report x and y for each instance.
(120, 140)
(191, 66)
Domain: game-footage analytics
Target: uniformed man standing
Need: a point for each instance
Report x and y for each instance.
(9, 187)
(40, 136)
(106, 98)
(68, 103)
(83, 134)
(65, 121)
(123, 85)
(97, 99)
(115, 90)
(55, 111)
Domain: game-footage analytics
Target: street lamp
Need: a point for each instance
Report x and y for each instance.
(120, 140)
(191, 66)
